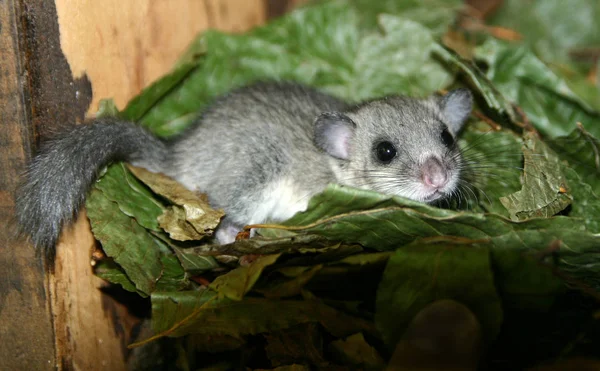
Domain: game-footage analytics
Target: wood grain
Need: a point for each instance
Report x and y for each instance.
(123, 46)
(92, 331)
(26, 332)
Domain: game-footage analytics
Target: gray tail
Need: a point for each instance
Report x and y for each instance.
(57, 180)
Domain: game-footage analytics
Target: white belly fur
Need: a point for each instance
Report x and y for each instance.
(280, 201)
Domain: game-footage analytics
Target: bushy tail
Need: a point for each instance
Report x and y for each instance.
(58, 179)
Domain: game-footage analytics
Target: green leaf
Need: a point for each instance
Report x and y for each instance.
(436, 15)
(298, 271)
(417, 276)
(493, 162)
(134, 199)
(124, 240)
(545, 191)
(586, 205)
(194, 264)
(143, 260)
(203, 312)
(406, 68)
(302, 244)
(545, 97)
(385, 223)
(581, 82)
(293, 287)
(556, 27)
(524, 282)
(140, 106)
(173, 276)
(364, 259)
(110, 271)
(311, 254)
(235, 284)
(581, 150)
(493, 98)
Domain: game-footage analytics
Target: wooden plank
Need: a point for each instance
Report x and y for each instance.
(92, 330)
(54, 99)
(122, 46)
(80, 317)
(26, 332)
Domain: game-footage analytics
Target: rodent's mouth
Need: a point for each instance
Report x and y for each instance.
(434, 196)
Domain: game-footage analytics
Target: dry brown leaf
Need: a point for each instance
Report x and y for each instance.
(191, 217)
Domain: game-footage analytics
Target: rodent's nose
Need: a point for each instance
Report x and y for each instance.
(433, 173)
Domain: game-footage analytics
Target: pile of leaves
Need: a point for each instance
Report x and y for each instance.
(337, 285)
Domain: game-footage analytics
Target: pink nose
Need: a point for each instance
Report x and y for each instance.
(433, 173)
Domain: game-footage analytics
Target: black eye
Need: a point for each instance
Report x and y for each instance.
(447, 138)
(385, 152)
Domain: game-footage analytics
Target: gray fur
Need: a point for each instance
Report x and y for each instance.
(259, 152)
(414, 127)
(333, 133)
(59, 177)
(456, 107)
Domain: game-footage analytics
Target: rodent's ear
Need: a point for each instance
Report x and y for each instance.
(456, 107)
(333, 132)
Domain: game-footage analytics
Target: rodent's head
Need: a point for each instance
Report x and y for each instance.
(398, 145)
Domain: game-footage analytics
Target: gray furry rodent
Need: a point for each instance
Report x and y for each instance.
(260, 152)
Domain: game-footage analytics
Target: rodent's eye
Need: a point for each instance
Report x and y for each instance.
(385, 152)
(447, 138)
